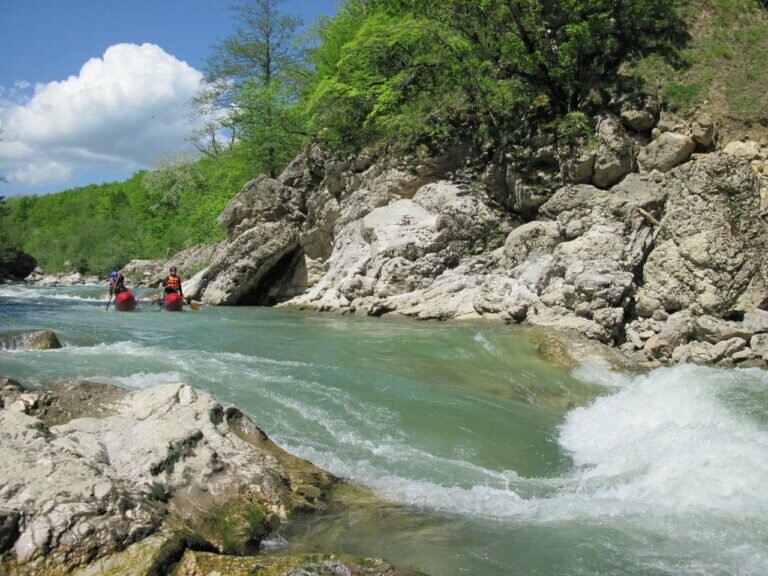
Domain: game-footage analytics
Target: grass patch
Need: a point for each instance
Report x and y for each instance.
(724, 67)
(682, 95)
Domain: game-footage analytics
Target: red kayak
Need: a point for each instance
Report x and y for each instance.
(124, 301)
(172, 302)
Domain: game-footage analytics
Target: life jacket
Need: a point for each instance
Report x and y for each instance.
(173, 282)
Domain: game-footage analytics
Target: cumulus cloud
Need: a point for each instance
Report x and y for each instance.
(120, 111)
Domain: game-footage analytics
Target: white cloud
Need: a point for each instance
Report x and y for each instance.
(43, 172)
(121, 111)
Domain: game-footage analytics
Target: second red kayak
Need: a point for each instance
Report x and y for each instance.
(172, 302)
(124, 301)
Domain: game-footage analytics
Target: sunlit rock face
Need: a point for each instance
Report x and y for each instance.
(87, 470)
(607, 238)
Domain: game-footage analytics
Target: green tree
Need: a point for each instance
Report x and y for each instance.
(4, 243)
(171, 175)
(447, 66)
(252, 84)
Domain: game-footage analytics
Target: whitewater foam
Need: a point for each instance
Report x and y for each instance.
(667, 443)
(143, 380)
(25, 293)
(661, 450)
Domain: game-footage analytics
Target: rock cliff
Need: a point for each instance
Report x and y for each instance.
(611, 238)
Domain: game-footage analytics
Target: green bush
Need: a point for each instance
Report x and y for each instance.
(574, 128)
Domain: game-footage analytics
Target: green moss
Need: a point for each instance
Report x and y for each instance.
(237, 527)
(320, 564)
(552, 351)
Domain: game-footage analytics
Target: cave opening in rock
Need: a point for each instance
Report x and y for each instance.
(286, 279)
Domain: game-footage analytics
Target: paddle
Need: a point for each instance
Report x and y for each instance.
(108, 301)
(194, 305)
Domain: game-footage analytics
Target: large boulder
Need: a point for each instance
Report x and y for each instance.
(169, 457)
(317, 232)
(749, 150)
(263, 199)
(29, 340)
(702, 129)
(281, 232)
(576, 270)
(400, 247)
(710, 249)
(615, 157)
(239, 266)
(666, 152)
(605, 239)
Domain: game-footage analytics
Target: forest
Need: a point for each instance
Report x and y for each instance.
(397, 75)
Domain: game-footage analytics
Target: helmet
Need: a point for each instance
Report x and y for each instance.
(173, 268)
(113, 273)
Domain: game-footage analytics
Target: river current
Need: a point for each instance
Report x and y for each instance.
(486, 460)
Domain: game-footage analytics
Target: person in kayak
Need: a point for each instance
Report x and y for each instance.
(116, 283)
(172, 283)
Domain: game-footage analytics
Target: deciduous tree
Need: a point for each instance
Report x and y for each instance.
(474, 65)
(252, 82)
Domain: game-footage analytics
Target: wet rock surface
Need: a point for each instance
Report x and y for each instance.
(29, 340)
(87, 471)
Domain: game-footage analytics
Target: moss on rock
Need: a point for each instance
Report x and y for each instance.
(204, 564)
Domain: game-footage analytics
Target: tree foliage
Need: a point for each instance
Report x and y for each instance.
(425, 68)
(7, 250)
(98, 227)
(252, 83)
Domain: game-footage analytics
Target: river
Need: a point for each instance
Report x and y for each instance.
(487, 460)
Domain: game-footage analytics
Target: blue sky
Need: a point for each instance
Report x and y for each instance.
(93, 90)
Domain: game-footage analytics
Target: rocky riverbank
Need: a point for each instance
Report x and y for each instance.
(649, 239)
(98, 480)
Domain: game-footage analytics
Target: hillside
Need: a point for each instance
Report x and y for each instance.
(95, 228)
(723, 67)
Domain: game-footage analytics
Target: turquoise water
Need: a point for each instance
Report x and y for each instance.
(490, 461)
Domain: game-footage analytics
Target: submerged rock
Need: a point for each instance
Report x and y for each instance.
(567, 349)
(29, 340)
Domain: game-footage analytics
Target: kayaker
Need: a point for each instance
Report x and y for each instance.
(116, 283)
(172, 283)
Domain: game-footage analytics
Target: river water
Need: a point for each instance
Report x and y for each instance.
(487, 461)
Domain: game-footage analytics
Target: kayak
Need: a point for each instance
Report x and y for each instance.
(172, 302)
(124, 301)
